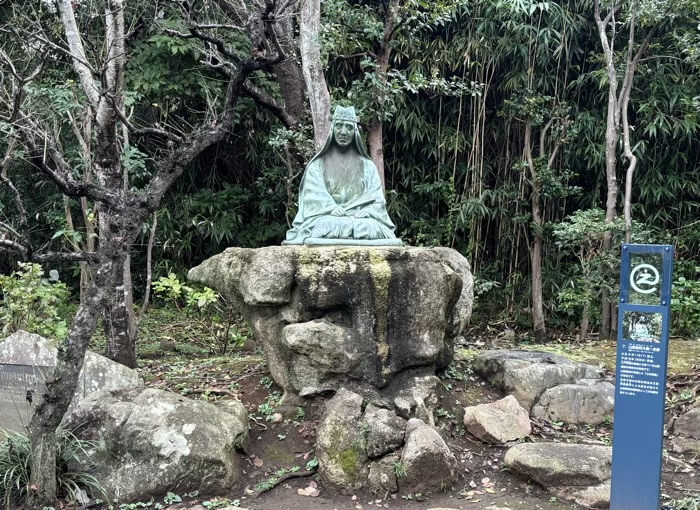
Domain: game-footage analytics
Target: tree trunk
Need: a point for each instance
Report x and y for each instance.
(583, 332)
(120, 320)
(61, 385)
(319, 97)
(375, 138)
(375, 133)
(288, 72)
(538, 323)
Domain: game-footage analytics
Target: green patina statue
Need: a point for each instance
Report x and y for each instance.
(341, 200)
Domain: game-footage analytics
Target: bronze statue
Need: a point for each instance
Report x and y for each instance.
(341, 200)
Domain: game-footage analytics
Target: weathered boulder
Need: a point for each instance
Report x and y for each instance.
(594, 496)
(428, 463)
(561, 465)
(499, 422)
(346, 316)
(384, 431)
(341, 444)
(528, 374)
(587, 402)
(413, 395)
(378, 450)
(382, 475)
(38, 356)
(462, 311)
(153, 441)
(688, 424)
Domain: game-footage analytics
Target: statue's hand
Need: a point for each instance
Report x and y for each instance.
(361, 214)
(338, 211)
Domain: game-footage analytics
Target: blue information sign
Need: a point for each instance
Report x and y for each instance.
(642, 350)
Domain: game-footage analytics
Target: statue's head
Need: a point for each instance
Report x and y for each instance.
(344, 125)
(344, 132)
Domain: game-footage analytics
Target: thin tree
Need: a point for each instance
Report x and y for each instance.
(618, 118)
(122, 211)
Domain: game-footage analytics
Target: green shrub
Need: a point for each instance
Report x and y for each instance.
(15, 467)
(205, 306)
(685, 303)
(32, 303)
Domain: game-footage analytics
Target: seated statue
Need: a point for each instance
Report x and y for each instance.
(341, 200)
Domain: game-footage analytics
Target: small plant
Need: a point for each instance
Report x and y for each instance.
(32, 303)
(312, 464)
(301, 414)
(267, 382)
(688, 503)
(399, 469)
(267, 408)
(206, 306)
(171, 498)
(220, 503)
(15, 467)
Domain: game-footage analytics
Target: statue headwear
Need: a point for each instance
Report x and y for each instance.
(345, 113)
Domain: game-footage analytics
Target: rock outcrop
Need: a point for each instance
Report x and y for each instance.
(549, 386)
(499, 422)
(376, 449)
(342, 316)
(32, 358)
(587, 402)
(579, 473)
(153, 442)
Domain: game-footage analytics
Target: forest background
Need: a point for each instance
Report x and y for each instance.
(489, 120)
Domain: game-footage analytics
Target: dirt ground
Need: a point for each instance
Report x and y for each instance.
(280, 446)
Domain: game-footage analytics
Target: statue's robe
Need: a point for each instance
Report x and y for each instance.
(356, 190)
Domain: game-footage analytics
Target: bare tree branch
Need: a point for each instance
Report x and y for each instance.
(198, 34)
(268, 102)
(80, 256)
(61, 174)
(8, 244)
(141, 131)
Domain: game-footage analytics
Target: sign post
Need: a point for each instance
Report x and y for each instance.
(640, 389)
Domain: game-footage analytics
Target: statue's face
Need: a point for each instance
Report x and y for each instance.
(344, 132)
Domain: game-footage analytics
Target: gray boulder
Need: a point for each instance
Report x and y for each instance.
(587, 402)
(346, 316)
(528, 374)
(154, 441)
(384, 431)
(499, 422)
(688, 424)
(341, 444)
(561, 465)
(414, 396)
(426, 459)
(382, 475)
(36, 356)
(595, 496)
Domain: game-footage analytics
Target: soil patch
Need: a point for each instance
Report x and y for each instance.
(281, 445)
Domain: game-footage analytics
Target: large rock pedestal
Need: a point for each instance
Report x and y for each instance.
(371, 319)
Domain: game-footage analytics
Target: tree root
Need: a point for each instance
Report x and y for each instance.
(283, 478)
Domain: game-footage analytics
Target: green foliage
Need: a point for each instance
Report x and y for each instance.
(399, 469)
(685, 300)
(33, 303)
(207, 307)
(582, 234)
(688, 503)
(71, 467)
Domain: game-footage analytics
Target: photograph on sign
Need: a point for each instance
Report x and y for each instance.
(642, 326)
(645, 278)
